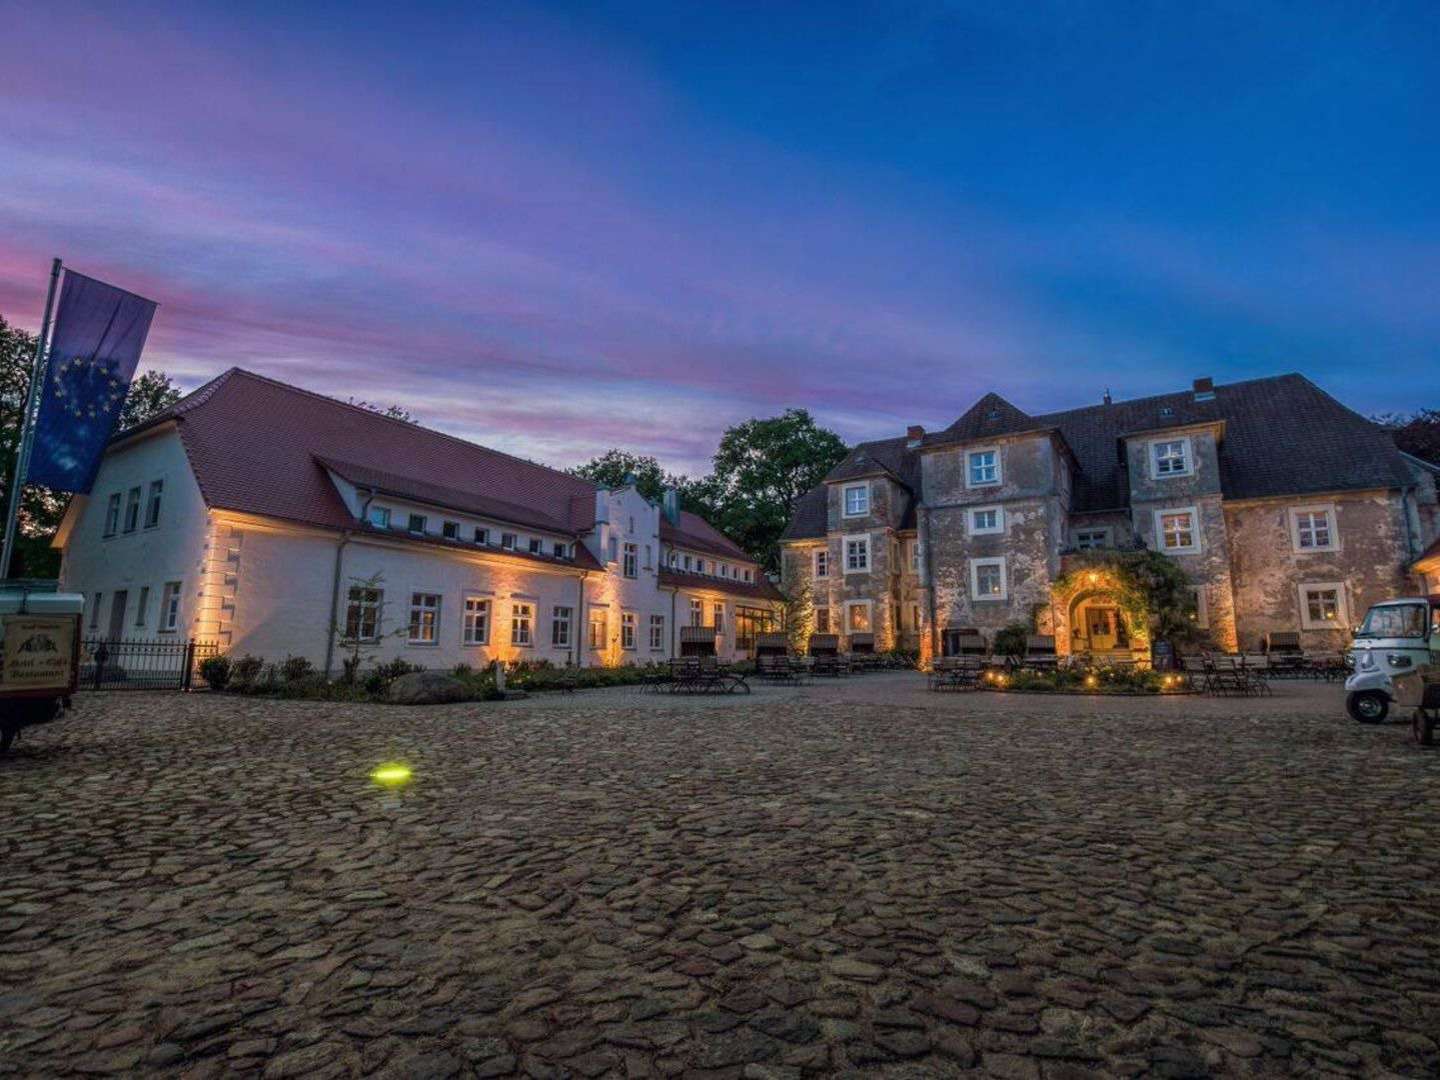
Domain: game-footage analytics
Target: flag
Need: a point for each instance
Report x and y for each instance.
(99, 332)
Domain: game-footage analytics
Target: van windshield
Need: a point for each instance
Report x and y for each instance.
(1394, 620)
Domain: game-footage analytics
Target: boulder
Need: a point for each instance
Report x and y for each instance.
(428, 688)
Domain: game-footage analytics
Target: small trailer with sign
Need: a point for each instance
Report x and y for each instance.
(39, 656)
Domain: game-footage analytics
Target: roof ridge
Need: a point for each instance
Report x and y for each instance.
(1169, 394)
(406, 424)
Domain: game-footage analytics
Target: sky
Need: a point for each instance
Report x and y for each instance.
(555, 229)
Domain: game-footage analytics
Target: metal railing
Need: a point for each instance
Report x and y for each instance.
(149, 664)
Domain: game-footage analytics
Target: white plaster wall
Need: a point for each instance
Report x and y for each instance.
(170, 551)
(626, 517)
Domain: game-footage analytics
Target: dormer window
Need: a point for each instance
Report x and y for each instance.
(450, 530)
(379, 516)
(482, 535)
(417, 524)
(1170, 457)
(857, 500)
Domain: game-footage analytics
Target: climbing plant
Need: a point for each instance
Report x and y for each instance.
(1149, 587)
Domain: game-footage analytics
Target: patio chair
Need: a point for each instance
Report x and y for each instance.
(1040, 653)
(1287, 658)
(1257, 671)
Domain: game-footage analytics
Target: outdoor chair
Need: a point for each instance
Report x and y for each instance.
(1040, 653)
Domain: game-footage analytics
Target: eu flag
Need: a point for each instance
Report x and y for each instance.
(94, 349)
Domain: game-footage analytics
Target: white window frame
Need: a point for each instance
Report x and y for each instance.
(975, 567)
(1342, 606)
(169, 608)
(562, 627)
(473, 617)
(154, 503)
(597, 616)
(522, 624)
(361, 605)
(379, 517)
(1187, 449)
(820, 562)
(864, 510)
(131, 520)
(141, 606)
(970, 455)
(1104, 532)
(410, 521)
(869, 606)
(112, 514)
(997, 529)
(1333, 543)
(717, 616)
(1194, 547)
(418, 606)
(697, 611)
(657, 633)
(845, 542)
(630, 566)
(1202, 607)
(628, 631)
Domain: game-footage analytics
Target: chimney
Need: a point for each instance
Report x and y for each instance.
(913, 434)
(670, 505)
(1205, 389)
(1107, 396)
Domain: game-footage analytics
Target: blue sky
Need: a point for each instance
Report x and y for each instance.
(561, 228)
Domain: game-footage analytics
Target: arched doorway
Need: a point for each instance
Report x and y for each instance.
(1099, 625)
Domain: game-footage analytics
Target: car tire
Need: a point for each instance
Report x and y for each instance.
(1422, 728)
(1368, 706)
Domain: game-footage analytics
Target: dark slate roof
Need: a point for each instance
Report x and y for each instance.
(1283, 436)
(887, 457)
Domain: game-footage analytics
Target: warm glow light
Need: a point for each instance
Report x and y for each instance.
(1090, 680)
(391, 774)
(1092, 577)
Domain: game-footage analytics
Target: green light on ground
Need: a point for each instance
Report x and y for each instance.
(391, 774)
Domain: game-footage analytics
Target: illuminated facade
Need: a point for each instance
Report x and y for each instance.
(1287, 511)
(288, 524)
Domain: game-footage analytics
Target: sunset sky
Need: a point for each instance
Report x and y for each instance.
(556, 229)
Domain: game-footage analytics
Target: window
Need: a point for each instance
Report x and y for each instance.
(857, 617)
(1322, 606)
(697, 612)
(482, 535)
(648, 564)
(627, 630)
(170, 607)
(1170, 457)
(822, 562)
(915, 556)
(987, 519)
(132, 510)
(559, 549)
(614, 550)
(718, 611)
(1176, 531)
(822, 620)
(507, 541)
(688, 562)
(450, 530)
(857, 500)
(424, 618)
(1202, 608)
(599, 628)
(857, 554)
(362, 613)
(657, 633)
(699, 565)
(630, 567)
(112, 515)
(674, 558)
(95, 611)
(725, 569)
(982, 468)
(536, 545)
(915, 617)
(1313, 529)
(475, 630)
(560, 618)
(417, 523)
(380, 517)
(152, 507)
(987, 579)
(747, 575)
(521, 616)
(630, 526)
(1088, 539)
(143, 606)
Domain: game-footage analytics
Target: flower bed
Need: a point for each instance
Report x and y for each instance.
(1081, 681)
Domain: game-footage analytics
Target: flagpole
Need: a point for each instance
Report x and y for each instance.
(27, 427)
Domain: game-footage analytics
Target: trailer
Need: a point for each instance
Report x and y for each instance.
(39, 655)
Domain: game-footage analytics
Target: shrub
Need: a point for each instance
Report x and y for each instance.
(216, 670)
(296, 668)
(350, 670)
(1011, 640)
(245, 671)
(382, 675)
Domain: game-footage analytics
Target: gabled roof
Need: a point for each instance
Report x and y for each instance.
(893, 458)
(989, 417)
(257, 446)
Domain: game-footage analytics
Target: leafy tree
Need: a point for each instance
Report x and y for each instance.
(1417, 433)
(760, 469)
(40, 508)
(611, 469)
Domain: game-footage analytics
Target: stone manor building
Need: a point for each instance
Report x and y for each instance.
(1286, 510)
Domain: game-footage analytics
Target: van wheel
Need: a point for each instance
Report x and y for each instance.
(1422, 728)
(1368, 707)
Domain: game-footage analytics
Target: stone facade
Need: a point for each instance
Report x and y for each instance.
(1285, 510)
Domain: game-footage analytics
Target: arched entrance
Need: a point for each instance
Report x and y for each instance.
(1099, 625)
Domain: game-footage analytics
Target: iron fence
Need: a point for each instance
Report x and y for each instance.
(134, 664)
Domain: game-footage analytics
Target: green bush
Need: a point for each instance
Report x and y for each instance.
(245, 672)
(216, 670)
(296, 668)
(1011, 640)
(378, 681)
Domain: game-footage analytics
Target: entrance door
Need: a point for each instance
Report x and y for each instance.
(1100, 628)
(117, 615)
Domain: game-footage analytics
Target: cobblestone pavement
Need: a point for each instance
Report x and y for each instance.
(865, 878)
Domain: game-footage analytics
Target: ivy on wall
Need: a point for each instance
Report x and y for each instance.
(1149, 587)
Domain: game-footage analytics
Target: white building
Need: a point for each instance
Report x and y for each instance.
(278, 522)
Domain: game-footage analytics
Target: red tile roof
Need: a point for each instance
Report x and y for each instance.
(693, 531)
(763, 589)
(256, 447)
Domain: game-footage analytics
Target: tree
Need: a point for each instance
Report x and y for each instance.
(614, 467)
(761, 468)
(40, 508)
(1418, 433)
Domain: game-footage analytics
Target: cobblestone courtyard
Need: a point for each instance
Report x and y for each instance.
(900, 882)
